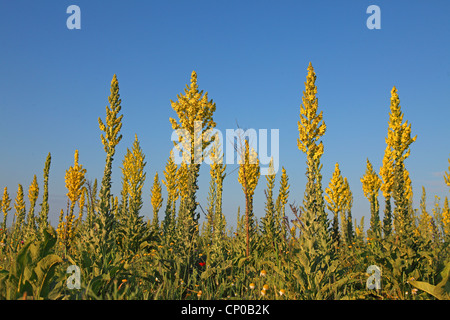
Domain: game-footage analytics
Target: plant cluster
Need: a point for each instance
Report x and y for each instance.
(122, 255)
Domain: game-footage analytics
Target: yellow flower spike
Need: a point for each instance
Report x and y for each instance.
(156, 199)
(75, 180)
(311, 126)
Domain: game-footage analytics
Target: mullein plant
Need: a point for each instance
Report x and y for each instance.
(336, 201)
(5, 208)
(311, 128)
(215, 225)
(131, 228)
(371, 184)
(271, 224)
(45, 207)
(399, 140)
(280, 205)
(171, 182)
(33, 193)
(195, 117)
(105, 221)
(219, 176)
(75, 180)
(156, 201)
(249, 173)
(19, 220)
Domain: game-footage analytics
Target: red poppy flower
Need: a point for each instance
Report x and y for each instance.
(202, 264)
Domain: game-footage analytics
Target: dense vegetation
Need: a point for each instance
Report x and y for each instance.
(122, 256)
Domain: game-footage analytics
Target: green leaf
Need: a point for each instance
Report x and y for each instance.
(45, 270)
(437, 292)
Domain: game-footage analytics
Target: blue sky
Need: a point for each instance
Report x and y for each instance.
(251, 58)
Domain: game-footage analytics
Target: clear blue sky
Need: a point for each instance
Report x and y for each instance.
(251, 58)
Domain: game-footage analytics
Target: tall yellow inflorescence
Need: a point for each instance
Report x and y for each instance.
(283, 192)
(335, 193)
(75, 180)
(6, 202)
(371, 183)
(133, 176)
(156, 198)
(113, 122)
(249, 170)
(399, 133)
(249, 173)
(193, 108)
(311, 126)
(33, 192)
(171, 183)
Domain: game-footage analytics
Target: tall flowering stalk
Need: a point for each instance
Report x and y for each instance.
(280, 203)
(216, 220)
(132, 229)
(371, 184)
(45, 208)
(269, 222)
(336, 198)
(171, 183)
(134, 177)
(5, 207)
(19, 217)
(249, 173)
(75, 180)
(399, 140)
(33, 193)
(195, 118)
(110, 140)
(156, 201)
(311, 128)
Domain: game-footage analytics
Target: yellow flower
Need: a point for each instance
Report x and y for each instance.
(75, 180)
(263, 292)
(199, 294)
(263, 273)
(252, 286)
(266, 287)
(311, 126)
(282, 292)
